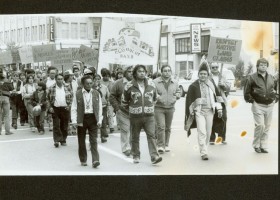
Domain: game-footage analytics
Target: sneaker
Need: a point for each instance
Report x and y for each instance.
(56, 144)
(156, 160)
(95, 164)
(258, 150)
(84, 163)
(167, 149)
(127, 153)
(9, 133)
(161, 150)
(204, 157)
(264, 151)
(136, 160)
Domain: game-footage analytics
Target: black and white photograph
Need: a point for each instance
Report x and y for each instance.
(98, 94)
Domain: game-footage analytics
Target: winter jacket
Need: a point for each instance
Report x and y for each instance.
(167, 98)
(139, 105)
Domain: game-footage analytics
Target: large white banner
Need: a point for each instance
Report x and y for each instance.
(129, 43)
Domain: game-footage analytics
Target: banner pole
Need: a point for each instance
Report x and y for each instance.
(99, 45)
(160, 29)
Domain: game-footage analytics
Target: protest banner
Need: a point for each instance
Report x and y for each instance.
(26, 54)
(129, 43)
(195, 38)
(224, 50)
(75, 53)
(63, 58)
(42, 53)
(6, 58)
(88, 55)
(15, 56)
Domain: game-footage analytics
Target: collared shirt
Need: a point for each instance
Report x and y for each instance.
(205, 95)
(74, 108)
(88, 101)
(50, 82)
(60, 97)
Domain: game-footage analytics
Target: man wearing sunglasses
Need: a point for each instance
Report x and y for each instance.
(219, 124)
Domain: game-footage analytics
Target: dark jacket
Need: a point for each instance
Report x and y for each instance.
(194, 100)
(43, 101)
(6, 87)
(261, 90)
(139, 105)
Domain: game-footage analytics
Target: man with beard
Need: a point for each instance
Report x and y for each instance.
(122, 113)
(5, 88)
(139, 97)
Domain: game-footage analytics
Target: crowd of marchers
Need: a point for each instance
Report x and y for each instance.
(80, 101)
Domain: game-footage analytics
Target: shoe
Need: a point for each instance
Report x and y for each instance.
(224, 142)
(84, 163)
(50, 128)
(106, 135)
(264, 151)
(22, 124)
(136, 160)
(56, 144)
(167, 149)
(63, 143)
(9, 133)
(212, 143)
(258, 150)
(103, 140)
(95, 164)
(156, 160)
(32, 129)
(41, 133)
(161, 150)
(14, 126)
(127, 153)
(112, 130)
(204, 157)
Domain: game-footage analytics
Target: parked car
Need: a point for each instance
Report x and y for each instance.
(184, 83)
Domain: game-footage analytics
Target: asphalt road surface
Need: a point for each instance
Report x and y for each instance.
(27, 153)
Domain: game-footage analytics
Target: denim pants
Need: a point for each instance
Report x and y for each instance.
(148, 124)
(262, 117)
(39, 121)
(5, 112)
(124, 124)
(60, 124)
(103, 128)
(164, 117)
(204, 122)
(89, 124)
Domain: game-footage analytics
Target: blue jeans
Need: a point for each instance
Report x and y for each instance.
(5, 108)
(148, 124)
(164, 117)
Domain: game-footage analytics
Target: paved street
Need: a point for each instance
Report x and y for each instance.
(27, 153)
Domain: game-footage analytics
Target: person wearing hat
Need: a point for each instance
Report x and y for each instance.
(122, 113)
(5, 88)
(202, 101)
(261, 91)
(39, 103)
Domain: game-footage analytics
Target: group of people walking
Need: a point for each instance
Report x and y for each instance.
(88, 103)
